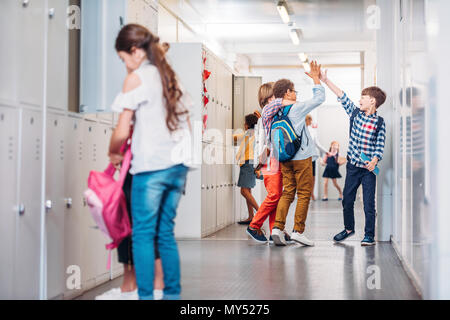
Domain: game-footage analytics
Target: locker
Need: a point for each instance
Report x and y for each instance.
(74, 187)
(212, 214)
(26, 278)
(31, 68)
(101, 144)
(94, 253)
(8, 58)
(55, 194)
(204, 199)
(58, 56)
(102, 72)
(9, 122)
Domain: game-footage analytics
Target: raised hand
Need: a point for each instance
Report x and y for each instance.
(324, 76)
(315, 72)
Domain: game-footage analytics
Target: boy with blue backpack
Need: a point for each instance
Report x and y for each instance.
(294, 148)
(366, 146)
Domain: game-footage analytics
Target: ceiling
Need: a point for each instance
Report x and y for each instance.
(254, 28)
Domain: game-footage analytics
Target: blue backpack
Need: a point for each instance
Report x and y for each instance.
(285, 141)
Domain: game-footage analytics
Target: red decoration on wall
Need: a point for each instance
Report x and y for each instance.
(205, 101)
(206, 75)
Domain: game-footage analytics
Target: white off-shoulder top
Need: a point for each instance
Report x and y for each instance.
(153, 147)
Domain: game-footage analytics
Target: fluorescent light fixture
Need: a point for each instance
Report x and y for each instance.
(303, 57)
(295, 36)
(282, 10)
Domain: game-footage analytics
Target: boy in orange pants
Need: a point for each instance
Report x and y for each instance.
(269, 166)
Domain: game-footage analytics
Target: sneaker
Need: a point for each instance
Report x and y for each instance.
(343, 235)
(368, 241)
(325, 199)
(257, 235)
(117, 294)
(132, 295)
(287, 237)
(278, 237)
(158, 294)
(302, 239)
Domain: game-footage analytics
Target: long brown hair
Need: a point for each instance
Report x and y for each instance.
(134, 36)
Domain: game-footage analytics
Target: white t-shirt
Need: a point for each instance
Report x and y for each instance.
(153, 146)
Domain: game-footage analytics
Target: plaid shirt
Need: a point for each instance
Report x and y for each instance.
(362, 138)
(268, 113)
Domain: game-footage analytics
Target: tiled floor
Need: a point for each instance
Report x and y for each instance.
(227, 265)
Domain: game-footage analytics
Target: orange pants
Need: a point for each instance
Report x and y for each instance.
(274, 186)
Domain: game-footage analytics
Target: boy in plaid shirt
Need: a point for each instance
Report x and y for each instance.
(367, 135)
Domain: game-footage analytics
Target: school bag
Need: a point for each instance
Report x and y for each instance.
(285, 141)
(379, 124)
(107, 203)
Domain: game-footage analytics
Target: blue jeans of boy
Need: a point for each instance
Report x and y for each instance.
(154, 200)
(355, 177)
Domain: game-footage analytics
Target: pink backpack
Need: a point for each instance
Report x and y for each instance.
(107, 203)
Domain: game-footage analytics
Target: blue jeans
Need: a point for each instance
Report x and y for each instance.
(154, 200)
(356, 177)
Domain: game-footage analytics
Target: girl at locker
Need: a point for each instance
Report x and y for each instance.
(332, 162)
(152, 99)
(244, 157)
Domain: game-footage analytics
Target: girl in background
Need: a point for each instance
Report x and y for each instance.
(152, 99)
(247, 176)
(319, 150)
(332, 162)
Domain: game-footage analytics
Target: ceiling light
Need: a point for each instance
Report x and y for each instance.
(282, 10)
(303, 57)
(295, 36)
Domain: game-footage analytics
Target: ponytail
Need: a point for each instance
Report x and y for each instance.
(136, 36)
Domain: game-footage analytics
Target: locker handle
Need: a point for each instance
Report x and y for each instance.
(48, 205)
(68, 202)
(25, 3)
(21, 209)
(51, 13)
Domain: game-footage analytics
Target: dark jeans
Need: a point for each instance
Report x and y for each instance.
(125, 249)
(356, 177)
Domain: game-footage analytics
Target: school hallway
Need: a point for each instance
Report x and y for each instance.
(229, 266)
(334, 81)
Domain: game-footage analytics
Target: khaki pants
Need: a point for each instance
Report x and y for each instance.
(297, 176)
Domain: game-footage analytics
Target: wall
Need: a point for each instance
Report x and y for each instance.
(49, 152)
(413, 68)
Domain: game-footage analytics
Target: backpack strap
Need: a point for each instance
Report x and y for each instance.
(352, 119)
(379, 126)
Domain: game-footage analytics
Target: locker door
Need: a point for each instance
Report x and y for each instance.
(204, 200)
(58, 55)
(94, 253)
(55, 179)
(31, 35)
(103, 133)
(75, 184)
(212, 212)
(26, 261)
(9, 122)
(8, 58)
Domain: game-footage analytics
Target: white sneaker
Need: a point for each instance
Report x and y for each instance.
(113, 294)
(278, 237)
(302, 239)
(158, 294)
(117, 294)
(132, 295)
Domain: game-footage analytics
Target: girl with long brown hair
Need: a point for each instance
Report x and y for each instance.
(151, 101)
